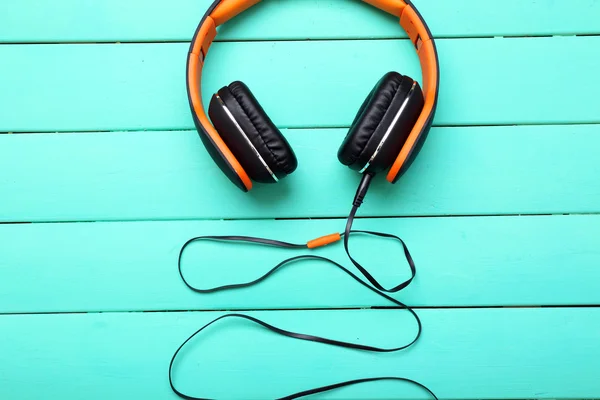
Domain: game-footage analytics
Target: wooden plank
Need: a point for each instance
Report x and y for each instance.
(463, 354)
(169, 175)
(141, 86)
(461, 262)
(114, 20)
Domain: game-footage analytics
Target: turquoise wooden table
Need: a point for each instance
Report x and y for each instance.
(102, 179)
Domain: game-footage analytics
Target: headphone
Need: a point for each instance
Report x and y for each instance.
(387, 133)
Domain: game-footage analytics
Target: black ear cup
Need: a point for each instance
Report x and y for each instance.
(259, 146)
(382, 124)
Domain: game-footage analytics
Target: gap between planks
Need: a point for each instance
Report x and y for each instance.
(340, 217)
(304, 128)
(300, 40)
(384, 308)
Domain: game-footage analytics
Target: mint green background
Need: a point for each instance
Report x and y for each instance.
(102, 178)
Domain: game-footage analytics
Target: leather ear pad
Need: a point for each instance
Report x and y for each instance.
(255, 127)
(379, 112)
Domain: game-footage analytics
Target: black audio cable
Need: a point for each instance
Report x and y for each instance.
(376, 288)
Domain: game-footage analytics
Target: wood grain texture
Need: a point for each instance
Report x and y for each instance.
(142, 86)
(463, 354)
(135, 20)
(169, 175)
(461, 262)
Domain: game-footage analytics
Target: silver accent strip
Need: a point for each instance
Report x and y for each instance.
(387, 133)
(247, 139)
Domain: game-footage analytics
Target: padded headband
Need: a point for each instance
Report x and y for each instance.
(222, 11)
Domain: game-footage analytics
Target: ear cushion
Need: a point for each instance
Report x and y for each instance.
(237, 141)
(392, 93)
(257, 127)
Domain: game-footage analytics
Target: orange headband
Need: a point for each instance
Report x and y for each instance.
(222, 11)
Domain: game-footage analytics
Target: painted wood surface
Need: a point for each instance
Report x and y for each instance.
(168, 175)
(491, 261)
(175, 20)
(98, 87)
(463, 354)
(508, 272)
